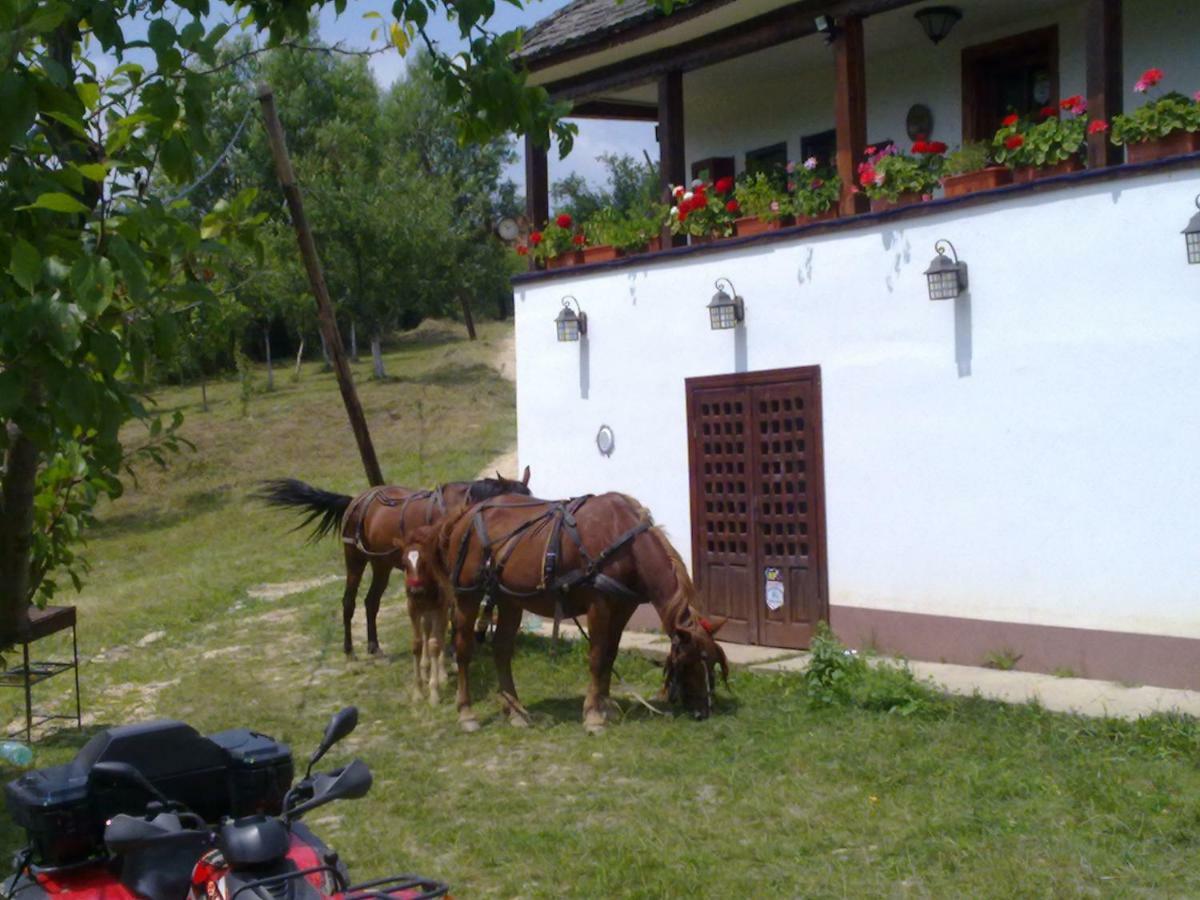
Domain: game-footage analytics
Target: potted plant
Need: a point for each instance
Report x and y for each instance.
(814, 191)
(970, 168)
(1169, 125)
(704, 212)
(892, 178)
(763, 205)
(1053, 146)
(612, 234)
(558, 244)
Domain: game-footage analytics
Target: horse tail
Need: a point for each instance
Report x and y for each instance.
(324, 507)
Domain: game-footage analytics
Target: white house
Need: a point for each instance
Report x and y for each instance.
(1013, 471)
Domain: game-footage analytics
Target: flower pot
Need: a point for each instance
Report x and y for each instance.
(1026, 174)
(600, 253)
(1177, 143)
(570, 258)
(695, 239)
(748, 226)
(970, 182)
(831, 213)
(882, 204)
(654, 246)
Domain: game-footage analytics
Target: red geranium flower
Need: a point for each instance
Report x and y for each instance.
(579, 240)
(563, 221)
(1048, 112)
(724, 185)
(866, 174)
(1010, 120)
(732, 206)
(1098, 127)
(1072, 103)
(522, 250)
(920, 146)
(1149, 79)
(937, 147)
(1014, 141)
(535, 238)
(871, 151)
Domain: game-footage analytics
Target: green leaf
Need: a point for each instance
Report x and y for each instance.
(176, 158)
(160, 35)
(93, 171)
(18, 99)
(25, 265)
(89, 93)
(11, 393)
(57, 203)
(131, 267)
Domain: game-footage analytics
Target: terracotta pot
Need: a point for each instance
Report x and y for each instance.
(570, 258)
(1026, 174)
(600, 253)
(905, 199)
(654, 246)
(970, 182)
(831, 213)
(704, 239)
(1177, 143)
(748, 226)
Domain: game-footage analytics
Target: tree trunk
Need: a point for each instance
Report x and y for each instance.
(203, 393)
(377, 355)
(325, 352)
(467, 317)
(267, 347)
(16, 533)
(353, 342)
(299, 357)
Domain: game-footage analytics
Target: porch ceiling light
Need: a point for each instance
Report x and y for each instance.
(947, 277)
(570, 323)
(725, 311)
(938, 20)
(1191, 234)
(826, 27)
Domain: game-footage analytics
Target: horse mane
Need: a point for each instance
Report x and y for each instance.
(678, 609)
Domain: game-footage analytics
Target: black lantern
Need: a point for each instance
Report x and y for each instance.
(938, 20)
(947, 277)
(725, 311)
(1191, 234)
(570, 324)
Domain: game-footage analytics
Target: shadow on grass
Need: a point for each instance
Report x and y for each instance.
(451, 375)
(143, 521)
(424, 338)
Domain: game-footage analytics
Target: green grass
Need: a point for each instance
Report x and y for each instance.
(772, 797)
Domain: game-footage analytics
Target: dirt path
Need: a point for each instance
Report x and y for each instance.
(505, 362)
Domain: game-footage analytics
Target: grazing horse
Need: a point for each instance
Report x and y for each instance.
(371, 522)
(598, 555)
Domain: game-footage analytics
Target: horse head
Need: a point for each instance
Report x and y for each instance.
(418, 554)
(691, 663)
(486, 488)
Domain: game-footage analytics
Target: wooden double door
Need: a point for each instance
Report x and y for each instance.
(758, 503)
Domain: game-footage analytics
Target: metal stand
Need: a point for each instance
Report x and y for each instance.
(42, 623)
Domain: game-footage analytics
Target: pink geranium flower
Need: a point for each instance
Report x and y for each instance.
(1149, 79)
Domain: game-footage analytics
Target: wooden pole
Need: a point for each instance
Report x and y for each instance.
(1104, 77)
(537, 187)
(671, 159)
(850, 109)
(325, 317)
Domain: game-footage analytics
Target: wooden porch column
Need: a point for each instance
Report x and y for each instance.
(1105, 77)
(850, 109)
(537, 188)
(672, 167)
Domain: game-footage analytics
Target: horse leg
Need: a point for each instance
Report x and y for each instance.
(605, 623)
(380, 573)
(435, 630)
(464, 643)
(414, 618)
(619, 616)
(355, 564)
(503, 641)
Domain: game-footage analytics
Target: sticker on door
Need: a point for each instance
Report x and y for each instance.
(773, 590)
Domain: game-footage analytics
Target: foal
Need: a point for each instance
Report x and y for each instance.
(429, 612)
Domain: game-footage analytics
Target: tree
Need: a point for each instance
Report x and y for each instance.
(99, 264)
(633, 189)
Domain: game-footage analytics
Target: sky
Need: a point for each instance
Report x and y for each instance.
(595, 136)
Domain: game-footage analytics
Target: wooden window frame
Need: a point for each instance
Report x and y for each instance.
(1039, 41)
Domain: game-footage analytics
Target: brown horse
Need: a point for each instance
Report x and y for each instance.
(596, 555)
(372, 522)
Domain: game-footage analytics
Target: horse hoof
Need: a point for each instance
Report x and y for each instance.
(468, 725)
(373, 649)
(594, 727)
(518, 720)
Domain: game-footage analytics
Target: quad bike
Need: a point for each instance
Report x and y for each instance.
(172, 853)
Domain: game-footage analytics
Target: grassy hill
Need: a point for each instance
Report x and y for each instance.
(774, 796)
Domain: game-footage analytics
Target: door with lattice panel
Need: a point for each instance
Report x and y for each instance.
(757, 490)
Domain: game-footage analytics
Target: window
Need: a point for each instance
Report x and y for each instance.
(1015, 74)
(822, 145)
(771, 160)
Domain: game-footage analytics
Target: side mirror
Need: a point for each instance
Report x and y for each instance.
(119, 773)
(347, 783)
(344, 721)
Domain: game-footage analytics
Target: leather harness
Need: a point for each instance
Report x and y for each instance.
(560, 517)
(379, 495)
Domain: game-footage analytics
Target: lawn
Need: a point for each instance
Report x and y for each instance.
(773, 796)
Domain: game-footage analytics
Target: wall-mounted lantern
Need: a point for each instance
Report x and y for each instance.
(570, 323)
(938, 20)
(725, 311)
(947, 277)
(1191, 234)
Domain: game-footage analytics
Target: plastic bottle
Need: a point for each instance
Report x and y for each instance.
(16, 753)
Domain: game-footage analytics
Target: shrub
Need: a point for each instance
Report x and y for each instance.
(970, 157)
(838, 676)
(757, 195)
(629, 233)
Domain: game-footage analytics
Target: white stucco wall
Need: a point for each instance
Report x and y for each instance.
(787, 91)
(1030, 454)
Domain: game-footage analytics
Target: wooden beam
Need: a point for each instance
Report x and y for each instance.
(615, 109)
(787, 23)
(850, 109)
(537, 187)
(312, 263)
(672, 168)
(1105, 78)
